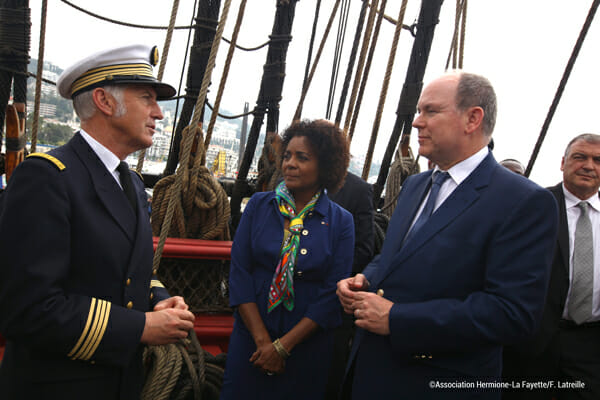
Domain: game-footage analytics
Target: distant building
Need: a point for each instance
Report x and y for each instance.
(46, 110)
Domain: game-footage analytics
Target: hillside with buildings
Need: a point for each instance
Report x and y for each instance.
(58, 122)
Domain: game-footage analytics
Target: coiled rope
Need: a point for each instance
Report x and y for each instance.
(161, 68)
(203, 211)
(401, 168)
(181, 371)
(193, 131)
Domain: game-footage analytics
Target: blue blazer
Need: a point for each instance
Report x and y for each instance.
(324, 258)
(75, 280)
(473, 278)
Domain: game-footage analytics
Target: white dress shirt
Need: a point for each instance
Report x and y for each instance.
(108, 158)
(573, 212)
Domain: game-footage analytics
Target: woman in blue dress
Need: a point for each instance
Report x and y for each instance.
(290, 249)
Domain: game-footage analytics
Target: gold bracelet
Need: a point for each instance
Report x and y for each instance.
(280, 349)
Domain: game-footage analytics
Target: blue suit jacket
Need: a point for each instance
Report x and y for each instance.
(473, 278)
(75, 280)
(324, 258)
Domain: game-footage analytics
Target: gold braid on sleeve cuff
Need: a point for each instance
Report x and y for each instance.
(93, 331)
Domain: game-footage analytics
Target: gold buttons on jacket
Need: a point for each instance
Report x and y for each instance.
(128, 281)
(299, 274)
(130, 305)
(151, 296)
(305, 232)
(154, 271)
(380, 293)
(303, 251)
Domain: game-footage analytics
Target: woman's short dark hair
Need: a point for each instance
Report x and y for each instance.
(330, 145)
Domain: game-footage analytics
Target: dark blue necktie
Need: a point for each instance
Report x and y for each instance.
(127, 184)
(438, 179)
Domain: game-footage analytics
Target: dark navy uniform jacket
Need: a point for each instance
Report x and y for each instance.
(75, 279)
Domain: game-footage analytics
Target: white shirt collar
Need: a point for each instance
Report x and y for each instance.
(459, 172)
(108, 158)
(571, 200)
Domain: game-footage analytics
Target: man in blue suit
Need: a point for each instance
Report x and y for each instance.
(78, 296)
(465, 265)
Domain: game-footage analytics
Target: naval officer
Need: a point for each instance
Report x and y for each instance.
(78, 296)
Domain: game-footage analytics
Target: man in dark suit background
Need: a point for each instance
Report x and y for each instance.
(356, 196)
(566, 348)
(78, 296)
(465, 264)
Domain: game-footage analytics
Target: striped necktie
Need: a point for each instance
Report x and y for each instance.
(580, 299)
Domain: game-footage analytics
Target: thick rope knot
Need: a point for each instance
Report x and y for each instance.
(202, 209)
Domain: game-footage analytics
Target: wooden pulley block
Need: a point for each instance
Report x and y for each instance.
(15, 137)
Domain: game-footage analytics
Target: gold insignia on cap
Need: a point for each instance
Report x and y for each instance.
(154, 56)
(109, 72)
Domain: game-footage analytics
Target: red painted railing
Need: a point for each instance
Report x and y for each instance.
(213, 330)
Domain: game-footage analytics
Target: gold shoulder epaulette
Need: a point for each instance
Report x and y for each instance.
(50, 158)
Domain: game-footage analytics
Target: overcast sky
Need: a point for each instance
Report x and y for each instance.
(521, 46)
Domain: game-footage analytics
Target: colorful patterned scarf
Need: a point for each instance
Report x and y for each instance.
(282, 285)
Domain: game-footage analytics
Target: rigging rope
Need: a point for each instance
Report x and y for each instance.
(361, 63)
(156, 27)
(192, 131)
(563, 83)
(298, 112)
(365, 77)
(161, 68)
(38, 82)
(311, 45)
(384, 90)
(461, 49)
(183, 64)
(230, 116)
(456, 50)
(236, 31)
(351, 61)
(339, 46)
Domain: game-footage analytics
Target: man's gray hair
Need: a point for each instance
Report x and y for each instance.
(84, 104)
(476, 91)
(586, 137)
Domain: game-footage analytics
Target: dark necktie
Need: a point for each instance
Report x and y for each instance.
(125, 178)
(438, 179)
(580, 299)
